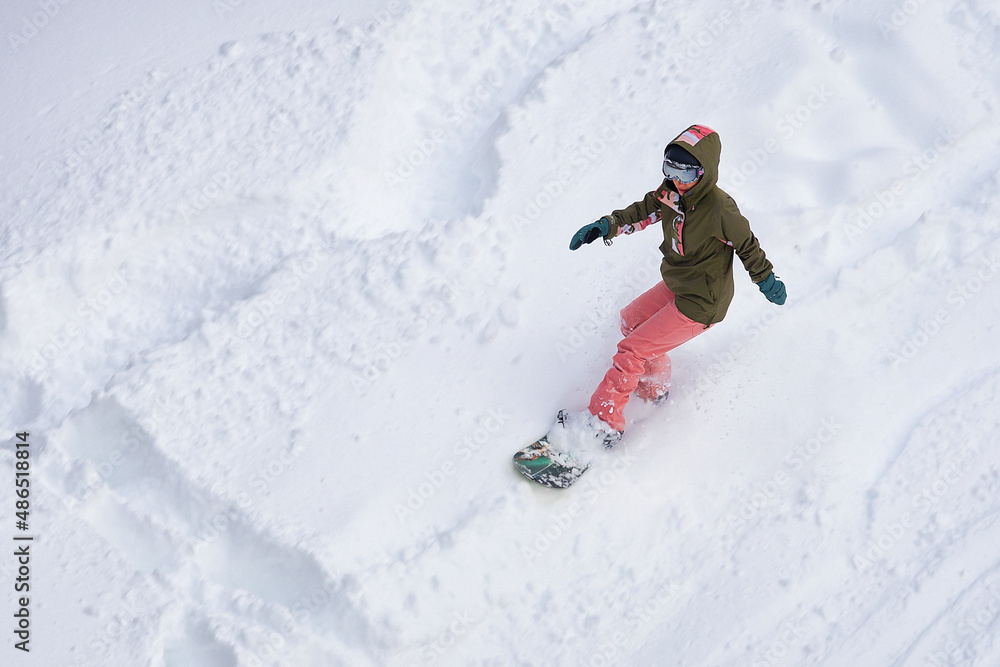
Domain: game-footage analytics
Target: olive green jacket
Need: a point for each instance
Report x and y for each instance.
(701, 231)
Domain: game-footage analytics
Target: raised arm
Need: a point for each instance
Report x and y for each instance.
(639, 215)
(632, 218)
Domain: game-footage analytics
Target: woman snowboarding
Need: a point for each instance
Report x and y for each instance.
(702, 230)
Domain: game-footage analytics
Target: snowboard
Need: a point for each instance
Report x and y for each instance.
(549, 467)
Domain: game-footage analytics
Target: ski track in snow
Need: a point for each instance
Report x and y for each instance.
(279, 321)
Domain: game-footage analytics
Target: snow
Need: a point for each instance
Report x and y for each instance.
(284, 288)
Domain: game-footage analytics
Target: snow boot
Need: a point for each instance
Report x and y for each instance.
(652, 393)
(582, 428)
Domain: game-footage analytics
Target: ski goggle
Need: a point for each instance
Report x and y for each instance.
(682, 173)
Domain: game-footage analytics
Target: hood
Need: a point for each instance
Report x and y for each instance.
(703, 143)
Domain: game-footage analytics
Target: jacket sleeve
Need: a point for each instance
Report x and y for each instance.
(636, 216)
(736, 229)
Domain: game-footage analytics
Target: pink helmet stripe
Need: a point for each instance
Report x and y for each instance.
(694, 134)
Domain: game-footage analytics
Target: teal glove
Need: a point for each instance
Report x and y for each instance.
(590, 233)
(773, 289)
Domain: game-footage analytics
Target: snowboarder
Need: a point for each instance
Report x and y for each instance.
(702, 229)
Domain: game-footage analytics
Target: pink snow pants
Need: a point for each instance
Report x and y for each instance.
(652, 326)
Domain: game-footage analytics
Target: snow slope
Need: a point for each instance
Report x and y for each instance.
(283, 289)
